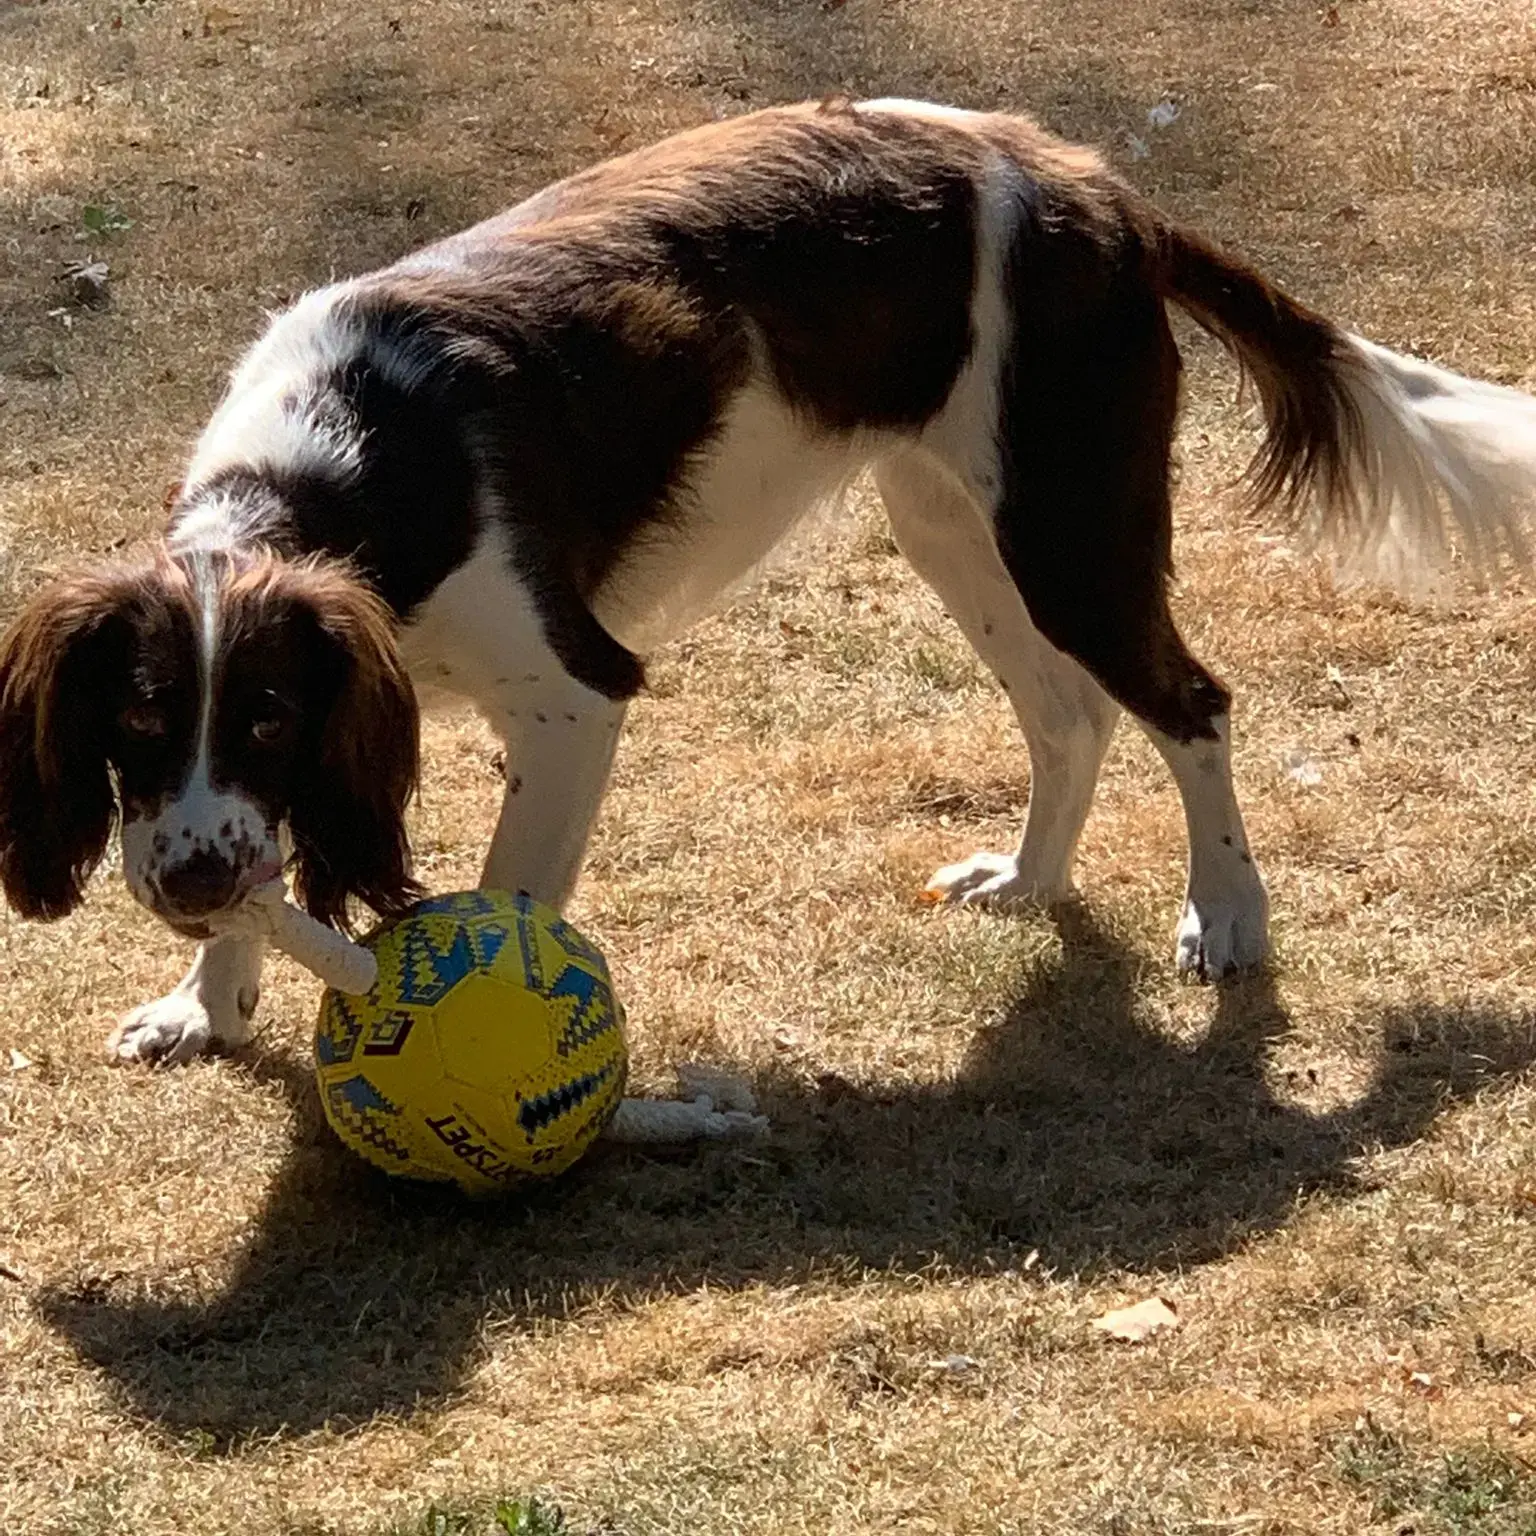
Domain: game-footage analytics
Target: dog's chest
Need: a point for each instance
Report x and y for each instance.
(764, 470)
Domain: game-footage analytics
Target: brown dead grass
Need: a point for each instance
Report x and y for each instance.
(986, 1133)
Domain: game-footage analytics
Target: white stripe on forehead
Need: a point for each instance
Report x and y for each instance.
(204, 572)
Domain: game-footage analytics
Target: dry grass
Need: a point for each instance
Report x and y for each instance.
(987, 1133)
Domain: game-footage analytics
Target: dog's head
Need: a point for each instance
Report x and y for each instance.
(238, 711)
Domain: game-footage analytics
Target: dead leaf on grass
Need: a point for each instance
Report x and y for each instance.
(1300, 767)
(43, 370)
(956, 1365)
(87, 283)
(1134, 1325)
(219, 19)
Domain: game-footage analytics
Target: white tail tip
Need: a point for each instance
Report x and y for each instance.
(1443, 466)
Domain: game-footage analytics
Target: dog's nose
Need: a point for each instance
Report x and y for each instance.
(202, 883)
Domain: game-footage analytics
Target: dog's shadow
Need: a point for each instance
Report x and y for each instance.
(1075, 1129)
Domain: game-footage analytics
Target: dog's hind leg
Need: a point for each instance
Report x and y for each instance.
(1225, 925)
(1066, 717)
(1083, 527)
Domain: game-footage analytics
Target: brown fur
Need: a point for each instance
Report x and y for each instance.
(347, 812)
(57, 705)
(842, 243)
(1295, 357)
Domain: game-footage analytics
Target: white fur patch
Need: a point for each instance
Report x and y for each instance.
(205, 585)
(1066, 717)
(478, 635)
(1446, 461)
(215, 522)
(268, 417)
(1225, 926)
(214, 1001)
(964, 434)
(764, 471)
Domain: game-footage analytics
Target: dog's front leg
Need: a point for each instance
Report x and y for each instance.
(559, 752)
(212, 1006)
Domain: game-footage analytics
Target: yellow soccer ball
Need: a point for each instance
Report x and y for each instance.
(490, 1050)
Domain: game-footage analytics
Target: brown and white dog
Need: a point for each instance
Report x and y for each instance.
(510, 465)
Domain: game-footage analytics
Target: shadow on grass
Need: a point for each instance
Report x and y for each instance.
(1074, 1128)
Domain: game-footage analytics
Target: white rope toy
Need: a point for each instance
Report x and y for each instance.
(715, 1105)
(331, 956)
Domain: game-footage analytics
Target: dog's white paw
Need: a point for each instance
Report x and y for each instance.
(170, 1029)
(991, 880)
(179, 1026)
(1216, 938)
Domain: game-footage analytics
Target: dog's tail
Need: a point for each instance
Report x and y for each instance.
(1387, 461)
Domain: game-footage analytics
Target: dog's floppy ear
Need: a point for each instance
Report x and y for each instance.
(347, 813)
(59, 662)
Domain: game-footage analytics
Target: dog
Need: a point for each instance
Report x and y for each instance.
(509, 466)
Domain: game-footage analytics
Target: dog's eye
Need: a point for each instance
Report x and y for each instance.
(272, 719)
(144, 720)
